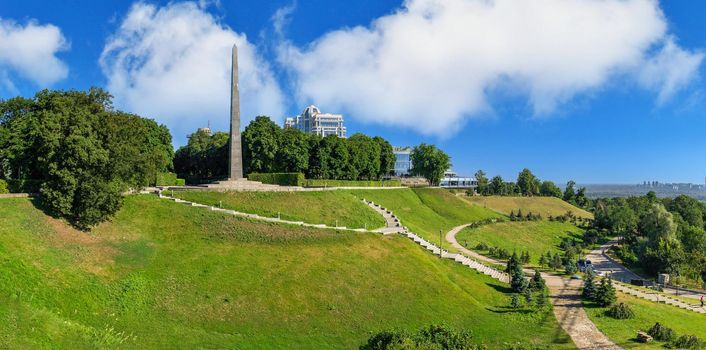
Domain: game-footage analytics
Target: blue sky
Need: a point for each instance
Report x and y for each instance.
(595, 91)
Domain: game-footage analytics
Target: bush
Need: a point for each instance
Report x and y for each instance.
(620, 312)
(282, 179)
(3, 187)
(167, 179)
(180, 182)
(432, 337)
(686, 342)
(348, 183)
(662, 333)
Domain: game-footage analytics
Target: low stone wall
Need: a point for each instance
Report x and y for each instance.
(16, 195)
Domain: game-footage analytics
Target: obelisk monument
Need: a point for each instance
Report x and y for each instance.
(235, 157)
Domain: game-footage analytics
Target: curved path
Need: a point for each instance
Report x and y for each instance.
(566, 299)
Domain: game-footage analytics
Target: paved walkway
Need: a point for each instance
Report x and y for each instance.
(566, 299)
(604, 265)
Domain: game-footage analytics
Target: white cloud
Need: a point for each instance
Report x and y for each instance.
(29, 52)
(172, 63)
(434, 63)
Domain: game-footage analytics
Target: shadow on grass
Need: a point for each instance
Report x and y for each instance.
(500, 288)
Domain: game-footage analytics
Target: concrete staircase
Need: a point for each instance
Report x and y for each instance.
(395, 226)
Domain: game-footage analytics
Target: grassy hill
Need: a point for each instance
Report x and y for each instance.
(319, 207)
(623, 332)
(427, 210)
(165, 275)
(536, 237)
(547, 206)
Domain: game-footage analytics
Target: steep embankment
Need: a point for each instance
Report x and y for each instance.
(165, 275)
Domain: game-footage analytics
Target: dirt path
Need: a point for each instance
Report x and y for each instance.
(566, 299)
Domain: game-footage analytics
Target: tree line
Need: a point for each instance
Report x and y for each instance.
(660, 235)
(527, 184)
(268, 148)
(82, 152)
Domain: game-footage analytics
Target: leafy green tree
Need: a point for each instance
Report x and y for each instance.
(528, 183)
(387, 157)
(497, 186)
(340, 163)
(429, 162)
(260, 145)
(364, 157)
(205, 156)
(319, 158)
(292, 151)
(482, 179)
(549, 189)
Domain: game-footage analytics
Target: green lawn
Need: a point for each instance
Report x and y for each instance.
(623, 332)
(536, 237)
(163, 275)
(426, 211)
(317, 207)
(547, 206)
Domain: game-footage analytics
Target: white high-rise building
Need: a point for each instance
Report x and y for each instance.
(314, 122)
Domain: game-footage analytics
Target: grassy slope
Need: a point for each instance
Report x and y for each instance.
(164, 275)
(536, 237)
(543, 205)
(646, 314)
(427, 210)
(320, 207)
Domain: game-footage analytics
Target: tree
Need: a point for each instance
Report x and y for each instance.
(569, 192)
(497, 186)
(605, 293)
(589, 285)
(537, 283)
(387, 157)
(260, 145)
(528, 183)
(205, 156)
(429, 162)
(482, 181)
(549, 189)
(292, 151)
(542, 260)
(364, 157)
(85, 153)
(556, 261)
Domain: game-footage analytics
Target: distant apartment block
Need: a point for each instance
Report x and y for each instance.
(312, 121)
(403, 162)
(453, 180)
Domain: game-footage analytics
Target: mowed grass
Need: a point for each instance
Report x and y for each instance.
(426, 211)
(546, 206)
(316, 207)
(647, 313)
(162, 275)
(535, 237)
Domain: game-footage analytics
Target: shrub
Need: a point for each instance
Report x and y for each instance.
(180, 182)
(3, 187)
(662, 333)
(482, 246)
(166, 179)
(348, 183)
(432, 337)
(620, 312)
(686, 342)
(282, 179)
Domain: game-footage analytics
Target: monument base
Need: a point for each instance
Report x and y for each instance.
(245, 185)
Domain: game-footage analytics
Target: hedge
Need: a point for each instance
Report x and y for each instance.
(282, 179)
(3, 187)
(169, 179)
(349, 183)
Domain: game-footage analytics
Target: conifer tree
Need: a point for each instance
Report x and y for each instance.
(512, 263)
(515, 301)
(537, 283)
(542, 261)
(589, 285)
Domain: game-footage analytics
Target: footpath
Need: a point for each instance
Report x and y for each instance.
(565, 295)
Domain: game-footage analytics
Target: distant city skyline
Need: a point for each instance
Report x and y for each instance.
(616, 100)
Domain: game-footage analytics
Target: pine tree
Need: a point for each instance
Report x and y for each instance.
(518, 283)
(589, 286)
(530, 217)
(512, 262)
(515, 301)
(537, 283)
(512, 215)
(556, 261)
(528, 296)
(519, 215)
(608, 292)
(542, 261)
